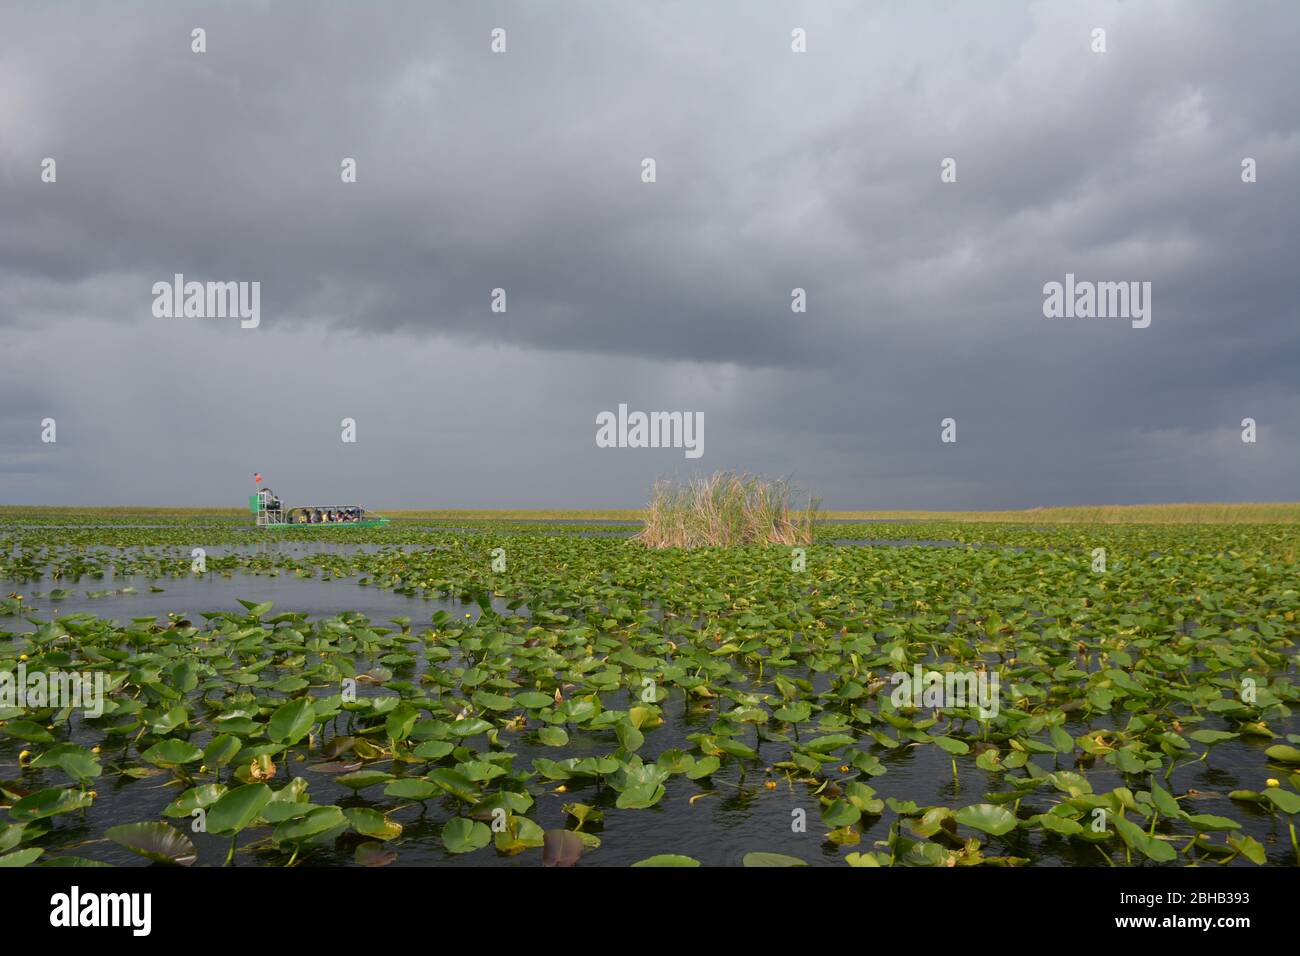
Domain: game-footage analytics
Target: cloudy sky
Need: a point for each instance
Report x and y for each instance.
(523, 171)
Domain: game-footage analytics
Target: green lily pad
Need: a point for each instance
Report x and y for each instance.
(668, 860)
(237, 808)
(464, 836)
(172, 753)
(155, 841)
(291, 722)
(991, 819)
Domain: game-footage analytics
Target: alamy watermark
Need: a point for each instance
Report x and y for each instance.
(37, 689)
(208, 300)
(1098, 300)
(940, 689)
(75, 908)
(651, 430)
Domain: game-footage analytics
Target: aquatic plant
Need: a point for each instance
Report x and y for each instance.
(1147, 710)
(724, 510)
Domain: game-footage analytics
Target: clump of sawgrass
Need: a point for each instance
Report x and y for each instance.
(726, 509)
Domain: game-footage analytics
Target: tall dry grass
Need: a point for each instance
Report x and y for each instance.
(726, 509)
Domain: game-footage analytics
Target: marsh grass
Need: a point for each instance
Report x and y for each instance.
(1204, 513)
(1192, 513)
(726, 509)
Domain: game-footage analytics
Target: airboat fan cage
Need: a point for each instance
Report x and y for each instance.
(266, 507)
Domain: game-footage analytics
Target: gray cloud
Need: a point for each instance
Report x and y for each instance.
(775, 170)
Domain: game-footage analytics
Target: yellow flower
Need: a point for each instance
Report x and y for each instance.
(561, 789)
(769, 785)
(22, 657)
(1272, 782)
(22, 757)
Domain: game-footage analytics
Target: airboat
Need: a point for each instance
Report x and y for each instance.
(269, 512)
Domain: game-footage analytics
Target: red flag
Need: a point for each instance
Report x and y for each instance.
(257, 477)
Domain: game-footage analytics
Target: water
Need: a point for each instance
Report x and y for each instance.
(214, 592)
(734, 815)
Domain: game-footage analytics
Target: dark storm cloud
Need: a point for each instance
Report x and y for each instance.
(775, 170)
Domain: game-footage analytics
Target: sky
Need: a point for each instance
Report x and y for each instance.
(774, 170)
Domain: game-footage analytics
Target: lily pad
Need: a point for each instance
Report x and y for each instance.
(155, 841)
